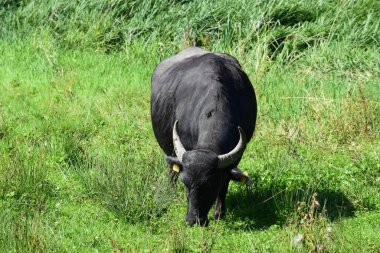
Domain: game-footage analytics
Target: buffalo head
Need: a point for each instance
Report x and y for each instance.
(204, 173)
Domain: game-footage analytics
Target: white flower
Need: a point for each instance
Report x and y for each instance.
(298, 239)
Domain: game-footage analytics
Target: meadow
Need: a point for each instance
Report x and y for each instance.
(81, 171)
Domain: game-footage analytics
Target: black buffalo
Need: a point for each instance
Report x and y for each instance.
(203, 110)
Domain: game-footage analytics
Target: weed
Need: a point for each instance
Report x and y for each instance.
(313, 230)
(80, 169)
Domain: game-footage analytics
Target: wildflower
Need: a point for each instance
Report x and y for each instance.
(298, 239)
(328, 229)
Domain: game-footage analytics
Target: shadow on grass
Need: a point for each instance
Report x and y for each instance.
(261, 209)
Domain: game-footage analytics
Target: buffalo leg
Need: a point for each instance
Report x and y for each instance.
(220, 205)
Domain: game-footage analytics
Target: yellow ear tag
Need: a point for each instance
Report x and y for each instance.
(243, 179)
(176, 168)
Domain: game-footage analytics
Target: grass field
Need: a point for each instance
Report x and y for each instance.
(80, 170)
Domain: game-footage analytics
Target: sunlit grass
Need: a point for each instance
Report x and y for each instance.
(80, 169)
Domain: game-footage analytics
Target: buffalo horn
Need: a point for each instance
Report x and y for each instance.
(178, 147)
(230, 158)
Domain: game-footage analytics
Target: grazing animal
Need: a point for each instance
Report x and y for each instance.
(203, 110)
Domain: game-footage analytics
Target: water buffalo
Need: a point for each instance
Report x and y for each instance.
(203, 110)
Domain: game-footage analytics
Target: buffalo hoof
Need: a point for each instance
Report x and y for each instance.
(199, 221)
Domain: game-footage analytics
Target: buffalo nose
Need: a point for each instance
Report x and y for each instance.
(200, 221)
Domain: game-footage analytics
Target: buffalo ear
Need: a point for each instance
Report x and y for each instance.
(175, 164)
(238, 175)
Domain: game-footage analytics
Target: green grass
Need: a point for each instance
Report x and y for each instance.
(80, 170)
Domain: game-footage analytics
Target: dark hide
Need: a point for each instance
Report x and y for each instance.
(210, 96)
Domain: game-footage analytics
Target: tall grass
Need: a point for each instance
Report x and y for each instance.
(80, 168)
(287, 27)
